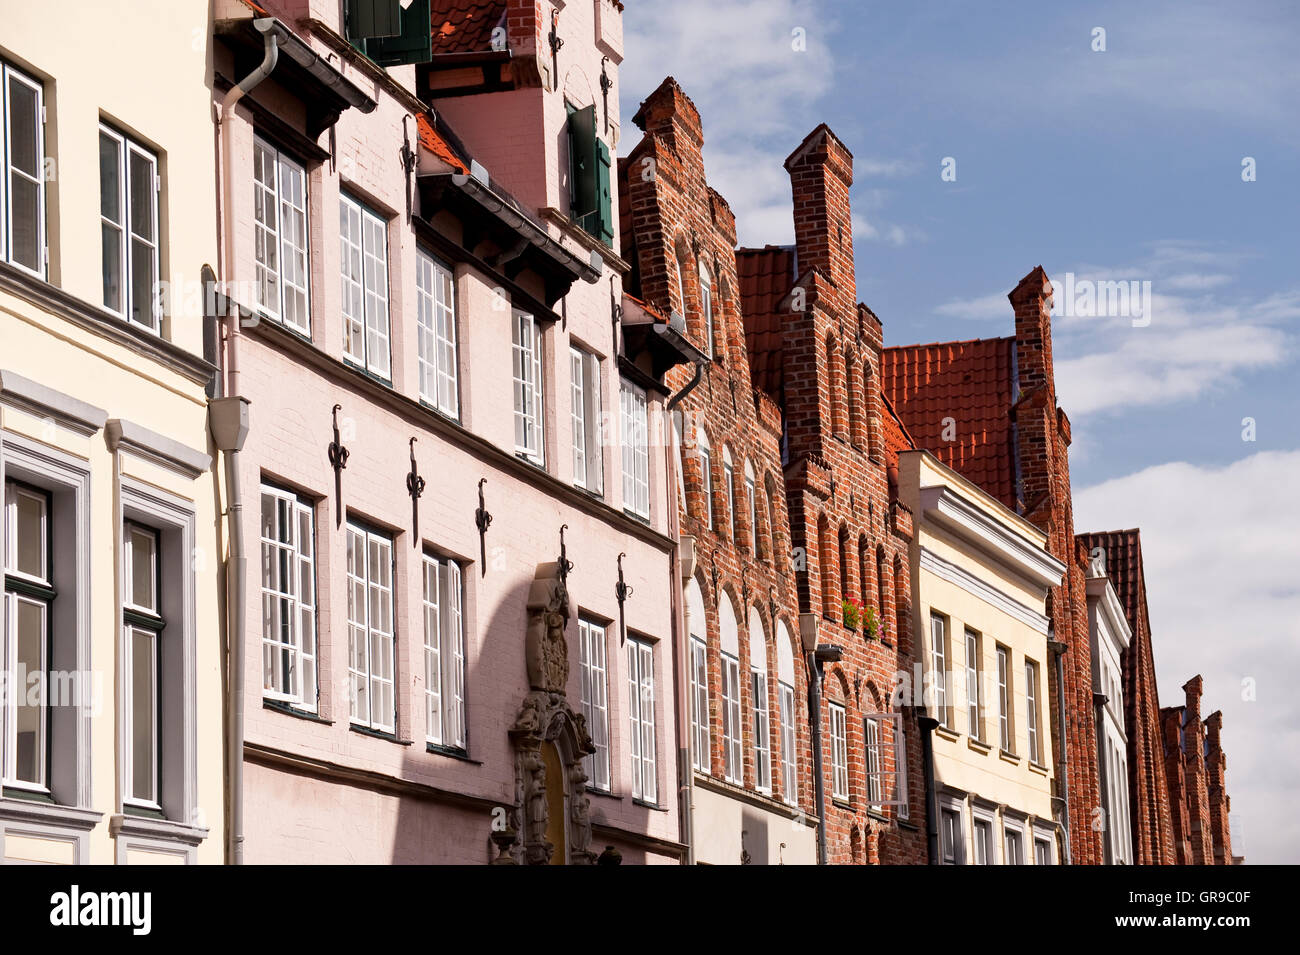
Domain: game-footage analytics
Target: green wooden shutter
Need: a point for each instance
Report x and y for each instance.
(373, 18)
(603, 227)
(590, 202)
(414, 42)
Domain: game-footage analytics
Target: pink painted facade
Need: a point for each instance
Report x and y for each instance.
(317, 787)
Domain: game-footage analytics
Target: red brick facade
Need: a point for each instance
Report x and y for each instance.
(848, 528)
(674, 224)
(1194, 768)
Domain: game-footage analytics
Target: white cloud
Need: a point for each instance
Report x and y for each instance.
(979, 308)
(1221, 555)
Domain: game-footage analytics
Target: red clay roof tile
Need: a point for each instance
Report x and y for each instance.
(973, 384)
(434, 141)
(465, 26)
(765, 276)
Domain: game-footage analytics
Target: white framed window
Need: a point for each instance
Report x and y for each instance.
(702, 758)
(762, 738)
(983, 841)
(1013, 844)
(280, 237)
(875, 763)
(839, 752)
(142, 631)
(363, 248)
(636, 451)
(288, 599)
(371, 649)
(939, 666)
(28, 604)
(435, 294)
(729, 486)
(751, 504)
(584, 414)
(951, 835)
(1006, 728)
(529, 401)
(681, 283)
(641, 711)
(974, 722)
(733, 761)
(706, 475)
(789, 776)
(706, 308)
(595, 699)
(1044, 854)
(128, 219)
(22, 171)
(444, 654)
(1031, 710)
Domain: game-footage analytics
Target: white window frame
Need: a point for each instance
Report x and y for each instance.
(974, 711)
(14, 597)
(729, 479)
(1044, 839)
(8, 77)
(529, 387)
(733, 762)
(1006, 727)
(445, 723)
(368, 622)
(789, 774)
(952, 833)
(706, 472)
(884, 741)
(751, 494)
(982, 825)
(132, 612)
(290, 214)
(435, 295)
(1031, 710)
(641, 712)
(839, 752)
(1013, 833)
(292, 551)
(594, 674)
(939, 664)
(706, 307)
(762, 731)
(363, 276)
(636, 450)
(703, 757)
(128, 237)
(585, 410)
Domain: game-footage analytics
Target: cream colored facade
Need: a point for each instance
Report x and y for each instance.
(980, 577)
(104, 440)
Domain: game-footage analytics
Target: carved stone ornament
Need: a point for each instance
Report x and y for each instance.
(546, 717)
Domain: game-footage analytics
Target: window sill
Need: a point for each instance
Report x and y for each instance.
(289, 709)
(648, 805)
(604, 793)
(979, 746)
(839, 803)
(1009, 757)
(946, 732)
(379, 734)
(1038, 768)
(451, 752)
(20, 809)
(129, 824)
(28, 795)
(637, 517)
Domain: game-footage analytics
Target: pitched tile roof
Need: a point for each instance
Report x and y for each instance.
(1123, 566)
(465, 26)
(971, 382)
(896, 437)
(765, 276)
(438, 144)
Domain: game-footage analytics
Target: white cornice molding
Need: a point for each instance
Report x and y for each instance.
(43, 401)
(129, 436)
(946, 508)
(968, 582)
(1103, 591)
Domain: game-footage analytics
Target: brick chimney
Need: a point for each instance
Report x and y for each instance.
(821, 172)
(669, 114)
(1031, 300)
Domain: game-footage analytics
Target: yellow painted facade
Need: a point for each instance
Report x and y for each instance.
(105, 420)
(979, 576)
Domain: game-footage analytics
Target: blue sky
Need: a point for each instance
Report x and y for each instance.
(1115, 165)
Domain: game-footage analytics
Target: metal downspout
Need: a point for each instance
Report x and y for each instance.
(236, 560)
(815, 711)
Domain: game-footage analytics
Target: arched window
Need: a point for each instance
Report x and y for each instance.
(785, 698)
(864, 571)
(758, 690)
(751, 507)
(706, 308)
(706, 475)
(732, 760)
(701, 758)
